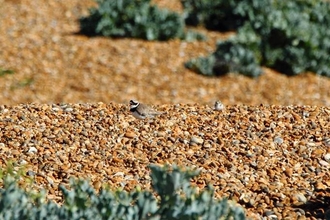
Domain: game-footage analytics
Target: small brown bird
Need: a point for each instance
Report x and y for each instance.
(142, 111)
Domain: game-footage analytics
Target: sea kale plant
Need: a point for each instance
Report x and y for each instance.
(172, 197)
(289, 36)
(136, 19)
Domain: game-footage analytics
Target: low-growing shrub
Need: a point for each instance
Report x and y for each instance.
(177, 199)
(290, 36)
(136, 19)
(214, 15)
(240, 54)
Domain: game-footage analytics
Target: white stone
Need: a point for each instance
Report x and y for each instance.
(32, 150)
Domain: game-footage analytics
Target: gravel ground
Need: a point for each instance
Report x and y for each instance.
(272, 160)
(53, 64)
(269, 149)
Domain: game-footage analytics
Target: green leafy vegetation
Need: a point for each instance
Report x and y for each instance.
(4, 72)
(289, 36)
(240, 54)
(22, 83)
(136, 19)
(177, 199)
(214, 15)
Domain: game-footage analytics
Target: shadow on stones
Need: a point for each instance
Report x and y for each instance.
(318, 207)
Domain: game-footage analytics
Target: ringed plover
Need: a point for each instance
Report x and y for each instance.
(142, 111)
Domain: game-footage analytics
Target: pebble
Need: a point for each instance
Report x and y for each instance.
(119, 174)
(32, 150)
(268, 213)
(326, 141)
(50, 181)
(323, 163)
(327, 157)
(23, 162)
(68, 109)
(301, 198)
(130, 134)
(278, 140)
(161, 134)
(30, 173)
(196, 140)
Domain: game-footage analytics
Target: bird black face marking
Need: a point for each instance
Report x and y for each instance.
(133, 105)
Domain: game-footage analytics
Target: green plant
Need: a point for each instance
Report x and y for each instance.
(295, 37)
(177, 200)
(22, 83)
(6, 72)
(137, 19)
(240, 54)
(214, 15)
(289, 36)
(16, 203)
